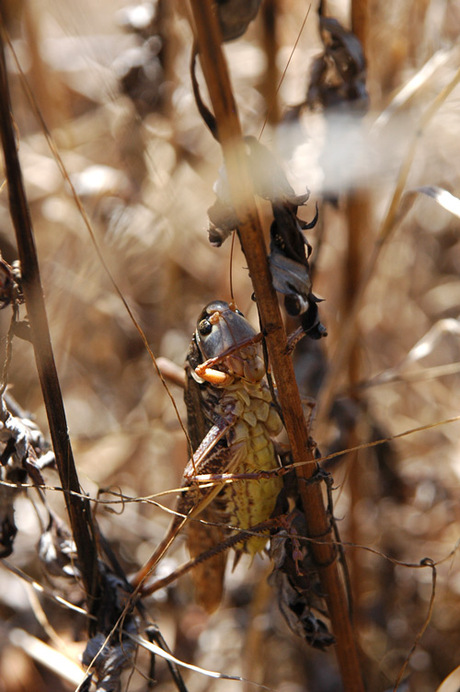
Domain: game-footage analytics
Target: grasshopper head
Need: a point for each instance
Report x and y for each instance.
(228, 344)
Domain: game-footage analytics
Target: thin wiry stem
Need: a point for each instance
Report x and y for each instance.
(78, 506)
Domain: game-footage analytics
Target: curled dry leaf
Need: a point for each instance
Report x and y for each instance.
(111, 651)
(10, 284)
(338, 76)
(270, 183)
(289, 253)
(22, 445)
(296, 582)
(57, 551)
(289, 249)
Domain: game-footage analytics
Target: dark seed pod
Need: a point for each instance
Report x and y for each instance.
(235, 16)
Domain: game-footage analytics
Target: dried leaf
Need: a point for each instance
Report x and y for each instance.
(296, 582)
(338, 76)
(110, 651)
(21, 446)
(57, 551)
(269, 181)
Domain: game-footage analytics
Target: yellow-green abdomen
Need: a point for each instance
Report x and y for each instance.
(251, 501)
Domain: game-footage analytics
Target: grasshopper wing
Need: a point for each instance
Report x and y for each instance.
(204, 535)
(208, 576)
(210, 531)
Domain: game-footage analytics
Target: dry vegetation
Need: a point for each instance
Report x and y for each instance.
(144, 168)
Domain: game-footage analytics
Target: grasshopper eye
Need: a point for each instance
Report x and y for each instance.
(205, 327)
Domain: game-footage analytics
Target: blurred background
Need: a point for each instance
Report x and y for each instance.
(112, 84)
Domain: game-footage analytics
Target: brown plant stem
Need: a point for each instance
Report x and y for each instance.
(251, 235)
(269, 86)
(358, 214)
(77, 506)
(359, 21)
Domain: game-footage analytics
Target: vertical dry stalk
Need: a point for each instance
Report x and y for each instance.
(78, 507)
(270, 10)
(358, 213)
(218, 83)
(359, 21)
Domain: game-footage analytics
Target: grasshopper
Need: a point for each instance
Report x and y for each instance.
(232, 422)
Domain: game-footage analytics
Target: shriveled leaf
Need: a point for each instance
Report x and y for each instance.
(111, 650)
(270, 183)
(338, 76)
(21, 445)
(57, 551)
(296, 583)
(109, 660)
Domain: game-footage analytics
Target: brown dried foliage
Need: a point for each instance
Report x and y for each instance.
(145, 179)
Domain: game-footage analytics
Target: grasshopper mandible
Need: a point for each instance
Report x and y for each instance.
(231, 421)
